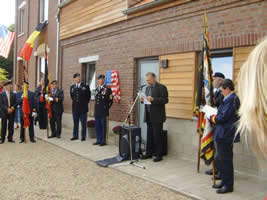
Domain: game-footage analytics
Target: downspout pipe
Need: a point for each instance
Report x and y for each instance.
(57, 54)
(145, 6)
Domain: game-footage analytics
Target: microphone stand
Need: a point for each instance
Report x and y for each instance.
(128, 120)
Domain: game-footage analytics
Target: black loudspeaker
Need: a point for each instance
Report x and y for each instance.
(124, 142)
(164, 142)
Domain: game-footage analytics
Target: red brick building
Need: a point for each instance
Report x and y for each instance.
(28, 15)
(135, 36)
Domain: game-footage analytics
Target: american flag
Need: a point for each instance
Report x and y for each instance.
(6, 41)
(112, 80)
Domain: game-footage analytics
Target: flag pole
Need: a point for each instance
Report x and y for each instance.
(200, 119)
(25, 71)
(47, 101)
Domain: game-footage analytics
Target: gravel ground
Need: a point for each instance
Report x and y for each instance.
(44, 171)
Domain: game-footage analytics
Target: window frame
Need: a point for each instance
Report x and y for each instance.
(44, 10)
(85, 75)
(21, 18)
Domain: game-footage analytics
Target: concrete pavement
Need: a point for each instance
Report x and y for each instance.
(177, 174)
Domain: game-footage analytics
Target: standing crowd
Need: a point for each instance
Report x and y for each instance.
(224, 122)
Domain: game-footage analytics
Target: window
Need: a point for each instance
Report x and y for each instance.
(222, 61)
(21, 17)
(88, 77)
(43, 10)
(41, 69)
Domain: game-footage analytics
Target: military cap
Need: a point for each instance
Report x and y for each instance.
(76, 75)
(54, 81)
(101, 76)
(219, 75)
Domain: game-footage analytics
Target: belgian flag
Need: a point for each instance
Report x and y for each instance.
(25, 104)
(26, 52)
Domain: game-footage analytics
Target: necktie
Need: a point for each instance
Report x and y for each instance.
(149, 94)
(8, 98)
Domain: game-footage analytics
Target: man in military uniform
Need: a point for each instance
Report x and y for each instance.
(103, 102)
(56, 99)
(80, 95)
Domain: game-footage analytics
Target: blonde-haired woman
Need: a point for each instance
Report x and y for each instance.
(252, 90)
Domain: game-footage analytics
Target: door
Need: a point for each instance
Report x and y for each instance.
(144, 66)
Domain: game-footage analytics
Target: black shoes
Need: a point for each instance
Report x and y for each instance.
(102, 145)
(33, 140)
(52, 136)
(58, 136)
(21, 141)
(11, 141)
(83, 139)
(224, 190)
(157, 159)
(2, 142)
(74, 138)
(96, 143)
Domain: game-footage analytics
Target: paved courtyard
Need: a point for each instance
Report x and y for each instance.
(45, 171)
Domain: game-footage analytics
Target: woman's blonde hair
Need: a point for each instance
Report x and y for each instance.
(252, 90)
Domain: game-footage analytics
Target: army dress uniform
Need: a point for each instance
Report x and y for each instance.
(103, 102)
(80, 95)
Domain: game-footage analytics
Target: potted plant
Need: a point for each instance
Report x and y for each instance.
(91, 129)
(116, 130)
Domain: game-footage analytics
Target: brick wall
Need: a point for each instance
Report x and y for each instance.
(177, 29)
(31, 21)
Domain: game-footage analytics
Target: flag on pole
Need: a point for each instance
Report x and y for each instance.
(6, 41)
(26, 52)
(112, 80)
(205, 96)
(47, 87)
(25, 102)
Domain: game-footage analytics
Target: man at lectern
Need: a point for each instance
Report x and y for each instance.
(155, 116)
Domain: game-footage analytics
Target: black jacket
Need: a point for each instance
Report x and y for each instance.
(226, 119)
(4, 104)
(80, 98)
(38, 92)
(103, 101)
(57, 103)
(32, 102)
(157, 107)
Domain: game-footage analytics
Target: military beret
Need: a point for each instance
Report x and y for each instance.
(76, 75)
(54, 81)
(219, 75)
(101, 76)
(7, 83)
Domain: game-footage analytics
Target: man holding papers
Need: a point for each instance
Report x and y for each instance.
(156, 96)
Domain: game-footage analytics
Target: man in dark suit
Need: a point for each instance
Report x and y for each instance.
(217, 80)
(80, 94)
(155, 116)
(32, 103)
(7, 107)
(103, 102)
(225, 135)
(56, 99)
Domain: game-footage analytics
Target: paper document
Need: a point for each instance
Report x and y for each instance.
(143, 95)
(209, 111)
